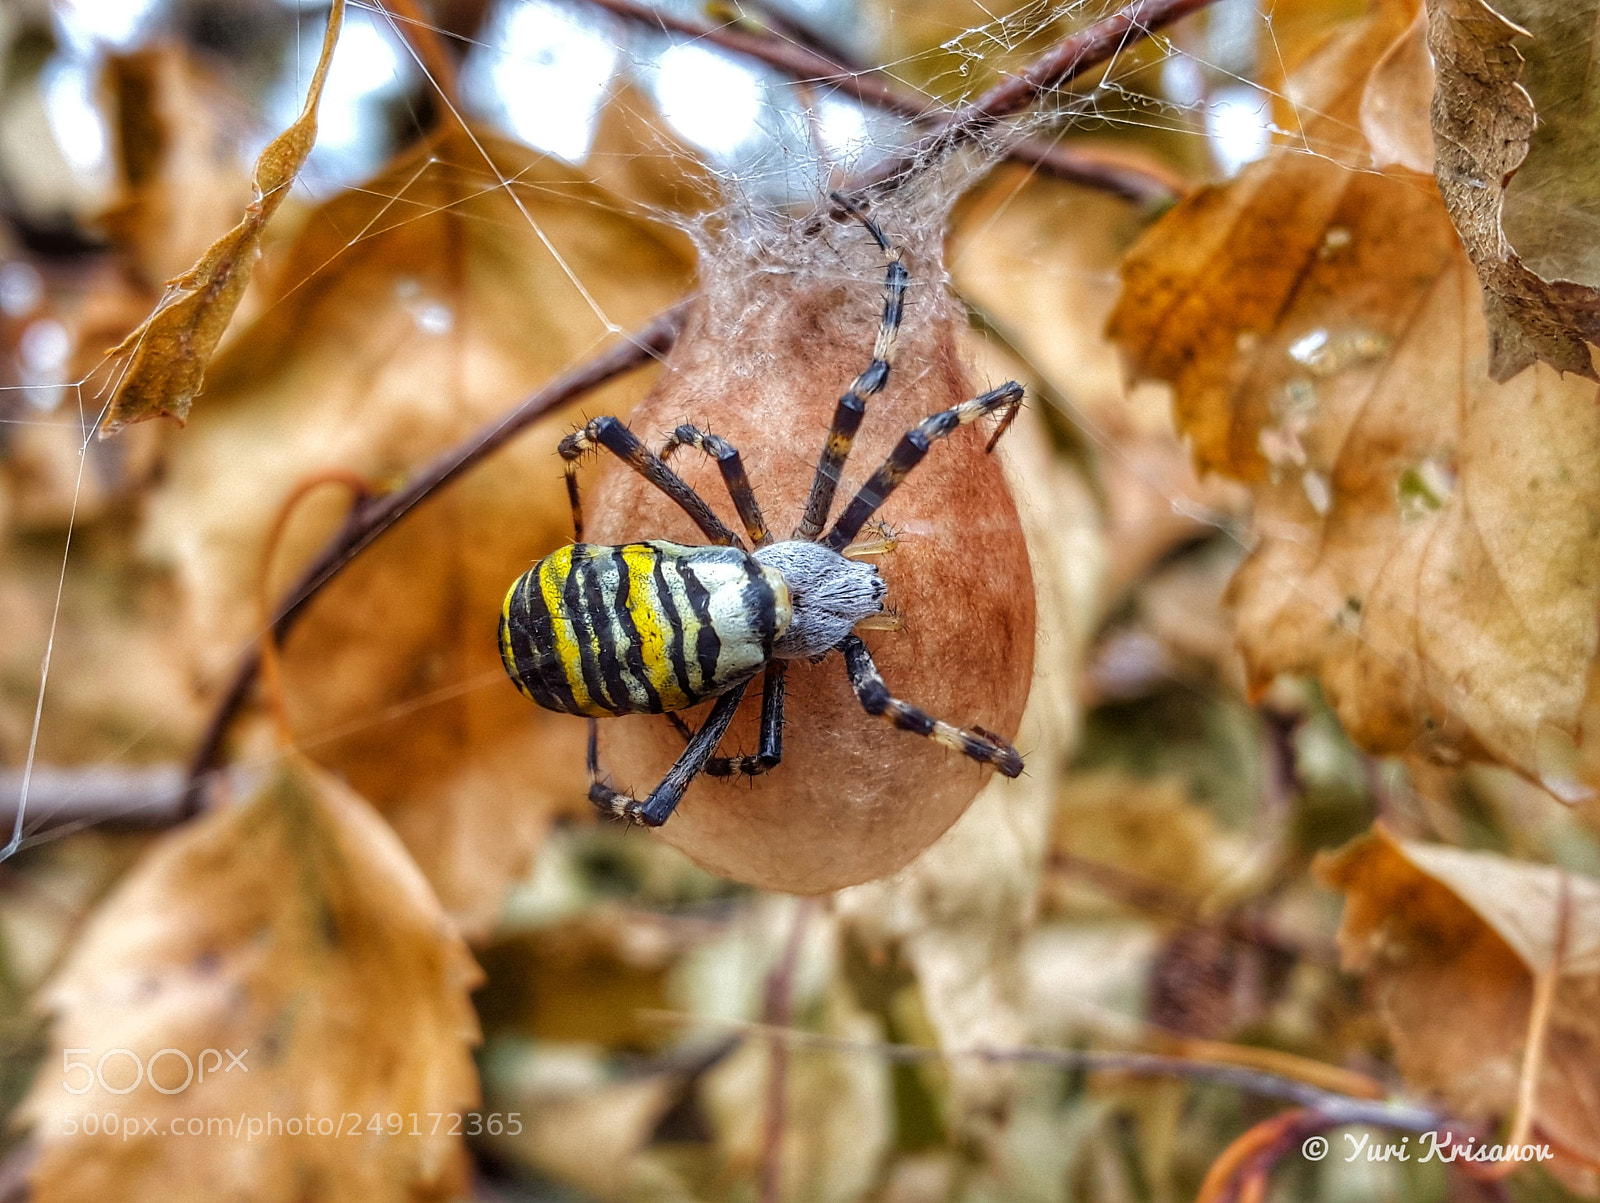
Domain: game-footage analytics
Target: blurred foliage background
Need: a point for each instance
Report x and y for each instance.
(498, 188)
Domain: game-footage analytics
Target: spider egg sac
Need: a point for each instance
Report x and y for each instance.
(773, 342)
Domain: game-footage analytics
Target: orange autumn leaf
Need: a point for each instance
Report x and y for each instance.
(264, 930)
(1428, 540)
(1451, 941)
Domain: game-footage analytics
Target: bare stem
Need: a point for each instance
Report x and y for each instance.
(1073, 56)
(777, 1009)
(1338, 1108)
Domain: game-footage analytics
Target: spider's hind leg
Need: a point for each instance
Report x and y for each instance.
(616, 438)
(610, 802)
(663, 800)
(769, 753)
(976, 743)
(733, 475)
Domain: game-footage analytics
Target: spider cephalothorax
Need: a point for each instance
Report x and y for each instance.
(657, 627)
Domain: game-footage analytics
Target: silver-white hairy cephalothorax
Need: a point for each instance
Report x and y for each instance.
(828, 595)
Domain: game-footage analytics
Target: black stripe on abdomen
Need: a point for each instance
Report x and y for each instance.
(574, 596)
(533, 645)
(708, 644)
(672, 629)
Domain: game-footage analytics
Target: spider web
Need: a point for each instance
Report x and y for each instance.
(544, 71)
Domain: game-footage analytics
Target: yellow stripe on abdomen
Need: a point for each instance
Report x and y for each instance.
(553, 573)
(644, 606)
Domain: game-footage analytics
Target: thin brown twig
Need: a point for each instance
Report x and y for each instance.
(814, 68)
(1341, 1109)
(269, 662)
(369, 520)
(777, 1009)
(1068, 59)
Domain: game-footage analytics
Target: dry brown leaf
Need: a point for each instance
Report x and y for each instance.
(1429, 541)
(635, 155)
(1452, 941)
(591, 979)
(591, 1136)
(1518, 141)
(411, 311)
(1038, 257)
(1148, 829)
(167, 354)
(293, 926)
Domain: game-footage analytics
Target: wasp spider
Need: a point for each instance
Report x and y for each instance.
(657, 627)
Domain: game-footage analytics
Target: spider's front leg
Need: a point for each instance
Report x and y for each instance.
(852, 406)
(975, 743)
(911, 449)
(733, 476)
(657, 808)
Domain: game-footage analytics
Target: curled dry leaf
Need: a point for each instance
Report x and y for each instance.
(411, 311)
(294, 931)
(1452, 942)
(1518, 141)
(1429, 540)
(762, 364)
(167, 354)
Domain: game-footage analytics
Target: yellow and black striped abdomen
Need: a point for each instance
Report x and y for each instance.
(640, 629)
